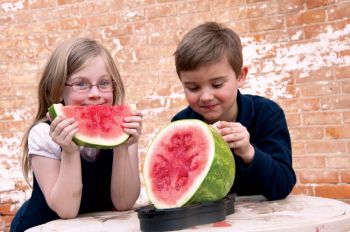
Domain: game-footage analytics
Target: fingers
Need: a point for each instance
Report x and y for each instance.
(62, 130)
(132, 125)
(235, 134)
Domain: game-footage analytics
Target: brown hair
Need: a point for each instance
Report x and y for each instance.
(67, 59)
(207, 43)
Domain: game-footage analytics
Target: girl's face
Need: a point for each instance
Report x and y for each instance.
(93, 72)
(211, 90)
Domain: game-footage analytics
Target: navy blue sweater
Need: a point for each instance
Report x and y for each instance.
(270, 173)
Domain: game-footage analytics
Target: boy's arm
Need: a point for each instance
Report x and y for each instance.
(271, 168)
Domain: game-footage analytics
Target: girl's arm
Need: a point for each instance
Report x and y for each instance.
(61, 181)
(125, 181)
(125, 186)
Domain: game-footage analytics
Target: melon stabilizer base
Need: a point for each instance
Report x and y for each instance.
(152, 219)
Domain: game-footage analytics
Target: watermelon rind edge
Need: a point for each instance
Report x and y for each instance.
(55, 110)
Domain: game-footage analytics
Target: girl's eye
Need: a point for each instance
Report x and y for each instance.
(80, 84)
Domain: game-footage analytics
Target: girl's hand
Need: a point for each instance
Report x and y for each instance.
(132, 125)
(237, 137)
(62, 131)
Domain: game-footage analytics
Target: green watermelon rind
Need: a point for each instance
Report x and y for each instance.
(215, 181)
(81, 140)
(223, 166)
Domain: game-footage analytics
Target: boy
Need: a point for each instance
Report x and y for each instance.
(209, 63)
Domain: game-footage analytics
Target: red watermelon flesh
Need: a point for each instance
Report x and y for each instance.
(174, 173)
(100, 126)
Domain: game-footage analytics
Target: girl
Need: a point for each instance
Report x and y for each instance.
(68, 179)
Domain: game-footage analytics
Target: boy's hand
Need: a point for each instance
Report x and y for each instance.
(237, 137)
(132, 125)
(62, 131)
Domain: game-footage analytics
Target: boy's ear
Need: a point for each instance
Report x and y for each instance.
(242, 77)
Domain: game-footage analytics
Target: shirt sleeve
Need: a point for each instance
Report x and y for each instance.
(40, 142)
(272, 163)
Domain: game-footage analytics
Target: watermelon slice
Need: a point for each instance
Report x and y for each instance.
(187, 163)
(99, 125)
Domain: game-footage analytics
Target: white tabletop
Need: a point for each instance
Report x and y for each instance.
(254, 213)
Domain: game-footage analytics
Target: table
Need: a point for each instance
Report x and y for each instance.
(254, 213)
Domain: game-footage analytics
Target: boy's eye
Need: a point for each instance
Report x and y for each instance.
(192, 88)
(217, 85)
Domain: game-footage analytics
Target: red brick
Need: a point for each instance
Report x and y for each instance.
(322, 74)
(309, 162)
(346, 117)
(290, 5)
(338, 132)
(301, 189)
(161, 11)
(193, 6)
(42, 4)
(241, 27)
(345, 87)
(306, 133)
(7, 209)
(321, 118)
(64, 12)
(266, 23)
(137, 3)
(337, 102)
(225, 4)
(342, 72)
(344, 176)
(63, 2)
(311, 176)
(71, 24)
(318, 3)
(313, 31)
(134, 15)
(320, 88)
(94, 8)
(256, 10)
(252, 1)
(298, 148)
(339, 11)
(333, 191)
(300, 105)
(339, 161)
(221, 15)
(306, 17)
(7, 220)
(293, 120)
(101, 20)
(327, 147)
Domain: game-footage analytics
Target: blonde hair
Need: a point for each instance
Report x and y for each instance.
(66, 60)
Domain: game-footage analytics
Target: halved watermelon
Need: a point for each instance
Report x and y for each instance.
(99, 125)
(187, 163)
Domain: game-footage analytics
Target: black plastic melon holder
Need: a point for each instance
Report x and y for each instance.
(152, 219)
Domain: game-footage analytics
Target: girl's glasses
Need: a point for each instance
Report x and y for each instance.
(84, 86)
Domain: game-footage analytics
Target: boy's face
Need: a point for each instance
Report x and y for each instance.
(211, 90)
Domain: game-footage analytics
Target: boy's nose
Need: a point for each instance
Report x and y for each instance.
(207, 96)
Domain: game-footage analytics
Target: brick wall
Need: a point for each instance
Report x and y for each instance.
(298, 52)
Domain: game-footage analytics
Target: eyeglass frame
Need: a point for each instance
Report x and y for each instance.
(90, 86)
